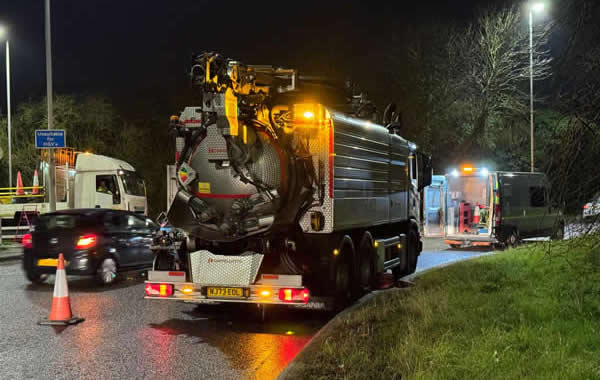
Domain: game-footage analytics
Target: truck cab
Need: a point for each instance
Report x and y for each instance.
(106, 182)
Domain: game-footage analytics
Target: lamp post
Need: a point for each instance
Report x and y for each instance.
(3, 33)
(533, 7)
(51, 168)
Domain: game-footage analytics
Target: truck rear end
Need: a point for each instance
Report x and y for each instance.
(275, 200)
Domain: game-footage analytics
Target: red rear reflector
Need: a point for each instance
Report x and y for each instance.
(176, 273)
(86, 241)
(270, 276)
(294, 295)
(159, 290)
(27, 241)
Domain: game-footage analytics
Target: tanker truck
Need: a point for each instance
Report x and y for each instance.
(285, 191)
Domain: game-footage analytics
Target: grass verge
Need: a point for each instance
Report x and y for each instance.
(525, 313)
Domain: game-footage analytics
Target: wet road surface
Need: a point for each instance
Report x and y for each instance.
(127, 337)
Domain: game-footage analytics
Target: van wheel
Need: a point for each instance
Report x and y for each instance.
(36, 278)
(107, 271)
(513, 239)
(365, 265)
(559, 232)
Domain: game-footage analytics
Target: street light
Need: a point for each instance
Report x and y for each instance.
(3, 34)
(533, 7)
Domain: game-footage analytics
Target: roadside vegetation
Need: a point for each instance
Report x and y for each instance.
(526, 313)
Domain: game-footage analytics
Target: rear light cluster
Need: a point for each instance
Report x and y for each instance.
(27, 241)
(159, 290)
(86, 241)
(293, 295)
(498, 215)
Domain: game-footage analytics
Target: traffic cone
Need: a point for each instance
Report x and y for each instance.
(36, 183)
(20, 190)
(60, 312)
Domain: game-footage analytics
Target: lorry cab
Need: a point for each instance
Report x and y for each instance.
(106, 182)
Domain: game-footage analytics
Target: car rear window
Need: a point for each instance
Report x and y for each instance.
(62, 221)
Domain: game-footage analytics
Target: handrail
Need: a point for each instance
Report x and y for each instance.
(21, 196)
(22, 187)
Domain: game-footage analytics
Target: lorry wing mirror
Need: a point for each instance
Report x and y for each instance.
(425, 170)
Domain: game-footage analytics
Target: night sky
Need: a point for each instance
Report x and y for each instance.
(124, 48)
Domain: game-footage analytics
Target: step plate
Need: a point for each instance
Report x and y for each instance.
(208, 268)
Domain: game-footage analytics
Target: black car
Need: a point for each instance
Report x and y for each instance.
(100, 242)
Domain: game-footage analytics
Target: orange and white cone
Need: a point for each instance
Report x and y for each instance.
(20, 190)
(60, 312)
(36, 183)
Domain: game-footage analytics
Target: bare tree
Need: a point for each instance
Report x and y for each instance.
(490, 64)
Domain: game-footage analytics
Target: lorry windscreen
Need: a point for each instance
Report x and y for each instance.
(133, 184)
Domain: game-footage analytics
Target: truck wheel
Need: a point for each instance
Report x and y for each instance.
(342, 280)
(107, 271)
(365, 265)
(36, 278)
(165, 262)
(413, 250)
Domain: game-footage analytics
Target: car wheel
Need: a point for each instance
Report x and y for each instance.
(37, 278)
(107, 271)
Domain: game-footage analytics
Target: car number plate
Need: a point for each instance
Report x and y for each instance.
(47, 262)
(224, 292)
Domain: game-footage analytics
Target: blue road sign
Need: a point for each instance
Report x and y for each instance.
(50, 138)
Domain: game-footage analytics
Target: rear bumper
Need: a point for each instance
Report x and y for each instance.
(470, 241)
(198, 296)
(81, 264)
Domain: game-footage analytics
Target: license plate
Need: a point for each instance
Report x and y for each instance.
(47, 262)
(223, 292)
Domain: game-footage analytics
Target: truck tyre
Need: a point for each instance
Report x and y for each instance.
(343, 273)
(164, 262)
(107, 271)
(36, 278)
(413, 250)
(365, 265)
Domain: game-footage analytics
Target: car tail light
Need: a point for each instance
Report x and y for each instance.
(159, 290)
(294, 295)
(27, 241)
(86, 241)
(586, 206)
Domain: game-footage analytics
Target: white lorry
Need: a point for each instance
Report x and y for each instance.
(90, 181)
